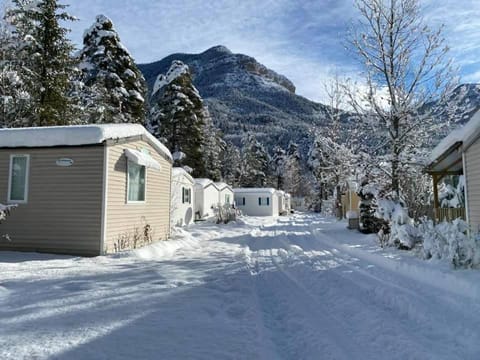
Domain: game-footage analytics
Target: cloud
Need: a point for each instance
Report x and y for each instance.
(303, 40)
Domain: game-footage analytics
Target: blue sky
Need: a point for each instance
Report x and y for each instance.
(301, 39)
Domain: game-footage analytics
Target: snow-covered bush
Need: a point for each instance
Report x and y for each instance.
(450, 240)
(5, 211)
(402, 230)
(225, 214)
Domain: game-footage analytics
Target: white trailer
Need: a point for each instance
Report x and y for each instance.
(182, 199)
(256, 201)
(206, 198)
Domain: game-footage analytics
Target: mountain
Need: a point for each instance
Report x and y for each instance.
(244, 95)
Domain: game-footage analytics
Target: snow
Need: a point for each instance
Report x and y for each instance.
(255, 190)
(203, 182)
(222, 185)
(179, 172)
(465, 134)
(176, 69)
(299, 287)
(73, 135)
(141, 158)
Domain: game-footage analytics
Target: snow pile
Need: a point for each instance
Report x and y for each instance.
(5, 210)
(141, 158)
(450, 240)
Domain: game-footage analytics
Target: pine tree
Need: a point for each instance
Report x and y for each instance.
(278, 166)
(116, 84)
(212, 149)
(294, 183)
(45, 53)
(178, 117)
(255, 163)
(15, 99)
(231, 165)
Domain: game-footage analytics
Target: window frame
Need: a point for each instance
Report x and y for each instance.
(27, 176)
(264, 203)
(128, 184)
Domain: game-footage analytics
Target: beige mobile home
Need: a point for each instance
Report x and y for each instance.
(84, 190)
(182, 197)
(459, 154)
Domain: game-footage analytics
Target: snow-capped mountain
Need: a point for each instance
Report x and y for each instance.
(243, 94)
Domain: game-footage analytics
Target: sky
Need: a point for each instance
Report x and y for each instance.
(301, 39)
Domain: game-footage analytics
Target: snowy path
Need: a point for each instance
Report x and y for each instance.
(300, 287)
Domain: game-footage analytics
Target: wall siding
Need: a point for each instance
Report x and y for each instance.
(182, 213)
(64, 208)
(472, 175)
(125, 220)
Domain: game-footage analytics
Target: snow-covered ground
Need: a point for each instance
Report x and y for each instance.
(299, 287)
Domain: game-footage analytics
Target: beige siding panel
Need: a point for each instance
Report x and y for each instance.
(472, 175)
(63, 213)
(126, 223)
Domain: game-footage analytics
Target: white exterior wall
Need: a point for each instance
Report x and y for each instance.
(182, 213)
(251, 206)
(281, 201)
(205, 199)
(222, 193)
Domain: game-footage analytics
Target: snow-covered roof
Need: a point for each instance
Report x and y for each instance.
(141, 158)
(202, 182)
(222, 185)
(254, 190)
(465, 134)
(75, 135)
(280, 192)
(178, 172)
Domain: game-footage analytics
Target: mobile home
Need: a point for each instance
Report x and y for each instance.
(256, 201)
(225, 194)
(84, 190)
(182, 206)
(206, 198)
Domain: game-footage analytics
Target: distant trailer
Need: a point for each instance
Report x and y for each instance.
(182, 201)
(206, 198)
(257, 201)
(225, 194)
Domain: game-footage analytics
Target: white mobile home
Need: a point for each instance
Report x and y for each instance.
(225, 194)
(288, 202)
(182, 197)
(280, 194)
(257, 201)
(205, 199)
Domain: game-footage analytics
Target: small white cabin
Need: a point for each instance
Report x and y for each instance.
(256, 201)
(225, 194)
(288, 202)
(182, 201)
(280, 194)
(205, 199)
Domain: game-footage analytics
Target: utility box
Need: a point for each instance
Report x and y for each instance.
(353, 220)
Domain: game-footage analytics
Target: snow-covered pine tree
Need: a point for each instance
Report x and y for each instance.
(116, 84)
(294, 182)
(278, 166)
(45, 53)
(212, 148)
(15, 99)
(178, 117)
(255, 163)
(231, 165)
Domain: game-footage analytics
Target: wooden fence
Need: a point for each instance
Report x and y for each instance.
(437, 215)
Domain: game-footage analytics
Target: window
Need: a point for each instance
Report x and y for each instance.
(18, 179)
(263, 201)
(227, 198)
(136, 182)
(186, 196)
